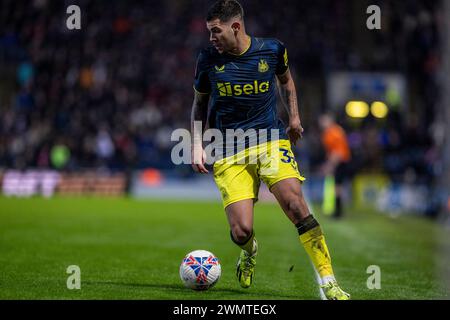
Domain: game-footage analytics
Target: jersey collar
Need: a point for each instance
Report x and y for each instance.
(245, 51)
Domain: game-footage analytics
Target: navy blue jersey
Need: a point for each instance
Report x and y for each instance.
(242, 87)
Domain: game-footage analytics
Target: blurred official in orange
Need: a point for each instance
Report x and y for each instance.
(334, 140)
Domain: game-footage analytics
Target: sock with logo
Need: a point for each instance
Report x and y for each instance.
(313, 240)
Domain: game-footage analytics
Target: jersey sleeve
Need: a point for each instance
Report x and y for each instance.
(282, 59)
(201, 79)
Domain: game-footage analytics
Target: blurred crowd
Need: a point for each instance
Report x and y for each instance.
(110, 95)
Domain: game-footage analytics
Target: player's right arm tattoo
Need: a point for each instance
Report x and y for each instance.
(288, 95)
(199, 113)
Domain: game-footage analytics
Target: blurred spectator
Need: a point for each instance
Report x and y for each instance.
(336, 166)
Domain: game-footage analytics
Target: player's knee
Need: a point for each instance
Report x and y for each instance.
(241, 233)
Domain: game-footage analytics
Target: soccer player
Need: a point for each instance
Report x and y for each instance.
(334, 140)
(238, 77)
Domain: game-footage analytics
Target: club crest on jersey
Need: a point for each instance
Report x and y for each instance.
(263, 66)
(219, 69)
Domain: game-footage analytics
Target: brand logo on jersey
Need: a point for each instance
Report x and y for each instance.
(220, 69)
(226, 89)
(263, 66)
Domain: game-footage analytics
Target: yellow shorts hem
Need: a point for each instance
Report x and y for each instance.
(237, 199)
(284, 178)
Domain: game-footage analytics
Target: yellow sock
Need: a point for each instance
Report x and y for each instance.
(313, 241)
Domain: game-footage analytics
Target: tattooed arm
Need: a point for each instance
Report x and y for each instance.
(198, 122)
(289, 98)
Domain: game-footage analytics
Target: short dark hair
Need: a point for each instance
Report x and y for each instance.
(225, 10)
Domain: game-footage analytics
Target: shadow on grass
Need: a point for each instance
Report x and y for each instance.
(181, 289)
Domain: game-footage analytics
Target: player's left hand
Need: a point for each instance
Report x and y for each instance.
(294, 131)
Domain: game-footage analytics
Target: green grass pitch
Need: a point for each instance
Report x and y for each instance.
(130, 249)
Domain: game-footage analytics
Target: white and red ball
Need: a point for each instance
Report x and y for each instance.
(200, 270)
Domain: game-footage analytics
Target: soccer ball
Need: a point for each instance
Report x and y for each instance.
(200, 270)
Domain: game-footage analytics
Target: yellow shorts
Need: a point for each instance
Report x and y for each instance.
(238, 177)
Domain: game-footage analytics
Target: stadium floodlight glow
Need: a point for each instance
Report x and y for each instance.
(379, 109)
(357, 109)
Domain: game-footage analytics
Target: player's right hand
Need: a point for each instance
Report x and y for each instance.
(295, 131)
(198, 158)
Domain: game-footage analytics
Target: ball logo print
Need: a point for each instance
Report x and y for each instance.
(200, 270)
